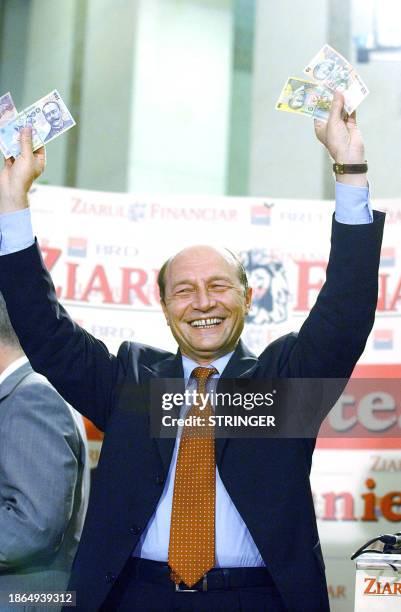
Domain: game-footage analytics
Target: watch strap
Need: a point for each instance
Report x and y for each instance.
(350, 168)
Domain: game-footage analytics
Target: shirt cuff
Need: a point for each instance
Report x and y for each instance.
(16, 231)
(353, 206)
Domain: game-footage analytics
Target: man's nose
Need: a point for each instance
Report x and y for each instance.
(202, 299)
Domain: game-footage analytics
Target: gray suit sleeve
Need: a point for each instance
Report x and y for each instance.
(38, 472)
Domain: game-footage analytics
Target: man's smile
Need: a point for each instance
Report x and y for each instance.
(206, 323)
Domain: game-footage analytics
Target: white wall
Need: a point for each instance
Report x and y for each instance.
(48, 66)
(380, 121)
(286, 160)
(106, 95)
(181, 96)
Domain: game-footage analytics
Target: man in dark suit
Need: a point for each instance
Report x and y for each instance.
(250, 538)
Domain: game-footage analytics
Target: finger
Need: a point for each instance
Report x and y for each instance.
(351, 121)
(40, 153)
(40, 158)
(336, 108)
(320, 130)
(26, 141)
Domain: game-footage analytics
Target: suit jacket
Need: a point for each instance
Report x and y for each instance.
(42, 499)
(268, 480)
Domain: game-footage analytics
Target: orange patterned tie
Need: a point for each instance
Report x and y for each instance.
(192, 537)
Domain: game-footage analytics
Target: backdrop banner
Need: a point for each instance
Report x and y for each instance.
(104, 251)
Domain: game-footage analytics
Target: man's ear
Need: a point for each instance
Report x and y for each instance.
(248, 300)
(164, 308)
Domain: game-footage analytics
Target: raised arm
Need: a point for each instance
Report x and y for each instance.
(334, 335)
(77, 364)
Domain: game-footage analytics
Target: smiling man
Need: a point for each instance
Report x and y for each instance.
(194, 523)
(205, 298)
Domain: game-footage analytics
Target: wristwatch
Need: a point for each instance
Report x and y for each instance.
(350, 168)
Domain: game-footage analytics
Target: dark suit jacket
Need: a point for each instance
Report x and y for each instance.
(268, 480)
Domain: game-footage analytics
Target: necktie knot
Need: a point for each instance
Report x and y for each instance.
(202, 375)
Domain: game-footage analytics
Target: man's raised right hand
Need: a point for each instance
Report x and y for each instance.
(18, 174)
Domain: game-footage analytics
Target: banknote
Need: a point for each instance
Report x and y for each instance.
(7, 109)
(49, 117)
(330, 69)
(10, 136)
(305, 98)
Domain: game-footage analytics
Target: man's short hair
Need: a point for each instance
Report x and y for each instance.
(7, 333)
(51, 102)
(161, 277)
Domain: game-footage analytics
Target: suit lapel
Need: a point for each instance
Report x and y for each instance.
(243, 364)
(168, 368)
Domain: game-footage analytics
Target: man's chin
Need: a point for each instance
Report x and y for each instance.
(210, 350)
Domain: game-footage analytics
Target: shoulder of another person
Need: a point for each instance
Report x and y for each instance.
(36, 387)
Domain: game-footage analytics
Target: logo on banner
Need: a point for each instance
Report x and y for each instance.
(383, 339)
(113, 250)
(270, 287)
(153, 211)
(387, 257)
(137, 212)
(188, 212)
(382, 587)
(298, 216)
(77, 247)
(261, 215)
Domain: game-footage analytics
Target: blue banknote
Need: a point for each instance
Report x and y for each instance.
(49, 117)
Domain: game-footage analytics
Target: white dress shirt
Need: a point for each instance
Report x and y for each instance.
(20, 361)
(234, 544)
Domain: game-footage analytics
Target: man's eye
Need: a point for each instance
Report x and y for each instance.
(218, 287)
(184, 291)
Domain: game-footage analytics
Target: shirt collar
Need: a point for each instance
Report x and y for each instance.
(12, 367)
(220, 363)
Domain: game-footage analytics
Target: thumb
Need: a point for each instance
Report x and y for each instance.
(336, 108)
(26, 142)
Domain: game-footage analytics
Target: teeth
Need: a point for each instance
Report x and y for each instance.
(206, 322)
